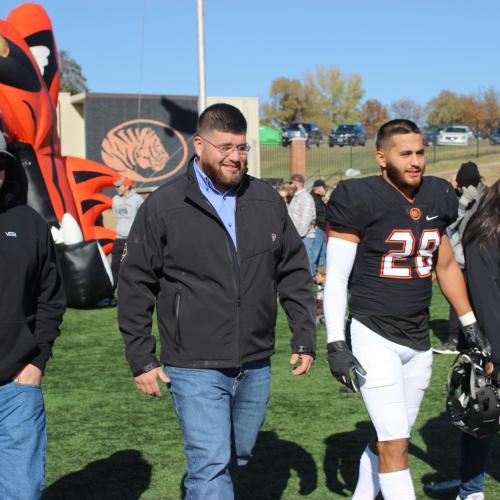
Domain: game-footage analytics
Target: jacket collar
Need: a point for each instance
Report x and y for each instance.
(193, 191)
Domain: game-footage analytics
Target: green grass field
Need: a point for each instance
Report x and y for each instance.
(107, 441)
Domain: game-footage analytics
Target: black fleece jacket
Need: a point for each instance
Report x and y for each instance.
(32, 299)
(483, 282)
(216, 306)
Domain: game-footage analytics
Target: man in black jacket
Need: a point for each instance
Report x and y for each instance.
(31, 308)
(213, 250)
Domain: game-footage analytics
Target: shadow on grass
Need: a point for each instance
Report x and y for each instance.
(443, 453)
(125, 475)
(267, 474)
(342, 454)
(440, 328)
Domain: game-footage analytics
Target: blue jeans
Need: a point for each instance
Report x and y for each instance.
(309, 245)
(220, 413)
(318, 251)
(22, 441)
(473, 457)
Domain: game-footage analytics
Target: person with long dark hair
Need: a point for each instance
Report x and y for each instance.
(481, 242)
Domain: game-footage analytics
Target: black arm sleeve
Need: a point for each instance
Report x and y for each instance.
(482, 268)
(138, 287)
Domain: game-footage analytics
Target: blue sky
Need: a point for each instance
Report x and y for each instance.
(401, 49)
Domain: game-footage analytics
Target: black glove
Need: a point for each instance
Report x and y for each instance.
(342, 363)
(476, 338)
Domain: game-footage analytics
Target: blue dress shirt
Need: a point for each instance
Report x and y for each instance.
(223, 203)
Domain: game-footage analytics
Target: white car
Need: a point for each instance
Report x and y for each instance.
(455, 135)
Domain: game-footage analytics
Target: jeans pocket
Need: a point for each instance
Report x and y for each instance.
(22, 385)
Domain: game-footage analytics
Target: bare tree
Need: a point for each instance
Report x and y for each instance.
(407, 108)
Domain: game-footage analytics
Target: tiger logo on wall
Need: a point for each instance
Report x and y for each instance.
(144, 150)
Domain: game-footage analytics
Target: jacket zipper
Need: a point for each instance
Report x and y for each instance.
(237, 295)
(177, 333)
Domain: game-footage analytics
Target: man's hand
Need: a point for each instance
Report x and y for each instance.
(305, 365)
(476, 338)
(342, 363)
(30, 374)
(148, 382)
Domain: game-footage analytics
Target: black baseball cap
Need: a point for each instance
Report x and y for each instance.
(319, 183)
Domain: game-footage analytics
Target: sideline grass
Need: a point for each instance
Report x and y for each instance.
(107, 441)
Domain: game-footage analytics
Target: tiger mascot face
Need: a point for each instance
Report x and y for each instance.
(132, 148)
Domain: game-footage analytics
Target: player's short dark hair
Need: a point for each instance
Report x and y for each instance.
(394, 127)
(222, 117)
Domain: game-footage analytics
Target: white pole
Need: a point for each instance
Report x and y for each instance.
(202, 97)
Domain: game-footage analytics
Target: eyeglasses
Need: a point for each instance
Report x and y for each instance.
(227, 149)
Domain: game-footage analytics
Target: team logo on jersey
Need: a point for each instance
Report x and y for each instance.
(273, 237)
(415, 213)
(11, 234)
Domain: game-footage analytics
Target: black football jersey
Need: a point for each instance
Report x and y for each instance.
(392, 273)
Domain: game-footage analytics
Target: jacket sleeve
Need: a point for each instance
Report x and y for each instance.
(138, 287)
(295, 289)
(483, 282)
(50, 298)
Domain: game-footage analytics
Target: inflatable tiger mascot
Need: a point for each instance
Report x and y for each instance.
(65, 191)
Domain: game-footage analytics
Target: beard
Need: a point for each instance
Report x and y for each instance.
(399, 179)
(221, 179)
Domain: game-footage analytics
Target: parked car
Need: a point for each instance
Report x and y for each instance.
(430, 135)
(295, 129)
(495, 136)
(348, 135)
(455, 135)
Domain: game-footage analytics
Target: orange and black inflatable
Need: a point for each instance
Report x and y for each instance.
(65, 191)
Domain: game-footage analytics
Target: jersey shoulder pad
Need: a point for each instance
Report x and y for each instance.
(442, 192)
(349, 204)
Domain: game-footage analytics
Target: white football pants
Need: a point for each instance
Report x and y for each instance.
(395, 381)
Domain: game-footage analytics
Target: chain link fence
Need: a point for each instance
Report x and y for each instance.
(462, 142)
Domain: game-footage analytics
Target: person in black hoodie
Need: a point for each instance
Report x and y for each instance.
(32, 304)
(212, 250)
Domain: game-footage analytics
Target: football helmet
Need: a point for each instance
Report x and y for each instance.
(473, 404)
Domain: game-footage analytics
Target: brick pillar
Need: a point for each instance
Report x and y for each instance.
(298, 156)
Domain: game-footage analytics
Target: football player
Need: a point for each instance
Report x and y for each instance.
(389, 236)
